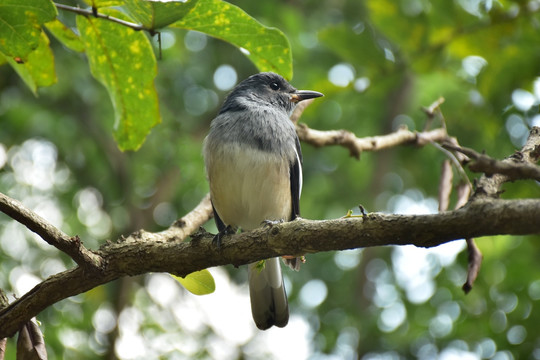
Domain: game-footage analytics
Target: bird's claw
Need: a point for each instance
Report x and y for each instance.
(217, 238)
(270, 223)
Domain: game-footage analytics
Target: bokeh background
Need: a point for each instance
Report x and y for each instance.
(378, 62)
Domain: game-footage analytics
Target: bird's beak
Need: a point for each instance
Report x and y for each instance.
(300, 95)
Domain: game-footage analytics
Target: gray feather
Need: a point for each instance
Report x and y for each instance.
(269, 304)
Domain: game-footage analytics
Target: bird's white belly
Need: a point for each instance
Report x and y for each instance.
(249, 186)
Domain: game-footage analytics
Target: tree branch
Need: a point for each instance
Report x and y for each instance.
(144, 252)
(516, 169)
(519, 165)
(55, 237)
(356, 145)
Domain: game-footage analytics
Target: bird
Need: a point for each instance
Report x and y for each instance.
(253, 164)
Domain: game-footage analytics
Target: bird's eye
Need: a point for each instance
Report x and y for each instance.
(274, 86)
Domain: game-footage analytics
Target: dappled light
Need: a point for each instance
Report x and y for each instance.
(101, 130)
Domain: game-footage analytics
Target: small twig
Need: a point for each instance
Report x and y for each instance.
(433, 108)
(475, 261)
(70, 245)
(431, 111)
(94, 13)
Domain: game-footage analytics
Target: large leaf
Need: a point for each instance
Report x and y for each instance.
(20, 25)
(38, 69)
(157, 14)
(123, 60)
(268, 48)
(198, 282)
(65, 35)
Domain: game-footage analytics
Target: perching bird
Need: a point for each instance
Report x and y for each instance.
(254, 166)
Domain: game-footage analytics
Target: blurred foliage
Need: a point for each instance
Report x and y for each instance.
(378, 62)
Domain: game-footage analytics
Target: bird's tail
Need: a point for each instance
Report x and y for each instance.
(269, 304)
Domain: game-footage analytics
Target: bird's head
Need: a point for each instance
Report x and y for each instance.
(266, 89)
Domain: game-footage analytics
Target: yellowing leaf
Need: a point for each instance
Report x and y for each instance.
(38, 69)
(20, 25)
(198, 283)
(123, 61)
(65, 35)
(157, 14)
(268, 48)
(104, 3)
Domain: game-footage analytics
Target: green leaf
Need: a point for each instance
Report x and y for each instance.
(104, 3)
(20, 25)
(65, 35)
(38, 69)
(157, 14)
(268, 48)
(198, 282)
(123, 61)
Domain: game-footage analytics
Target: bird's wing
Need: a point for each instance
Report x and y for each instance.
(296, 181)
(219, 223)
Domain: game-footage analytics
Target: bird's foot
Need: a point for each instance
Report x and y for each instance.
(294, 262)
(270, 223)
(229, 230)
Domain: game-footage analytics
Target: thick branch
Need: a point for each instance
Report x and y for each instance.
(70, 245)
(144, 252)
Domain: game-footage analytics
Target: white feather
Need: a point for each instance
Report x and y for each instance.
(248, 185)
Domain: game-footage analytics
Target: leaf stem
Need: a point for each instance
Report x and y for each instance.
(93, 12)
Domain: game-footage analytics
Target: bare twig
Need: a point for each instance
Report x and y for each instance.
(520, 165)
(55, 237)
(356, 145)
(432, 109)
(514, 169)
